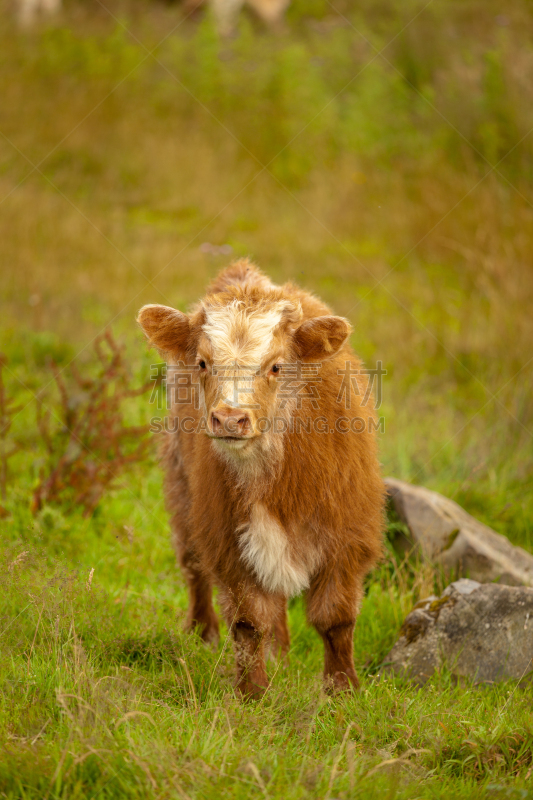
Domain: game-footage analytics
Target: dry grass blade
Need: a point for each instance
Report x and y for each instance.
(131, 714)
(38, 736)
(337, 759)
(34, 637)
(399, 760)
(257, 775)
(144, 768)
(190, 682)
(90, 580)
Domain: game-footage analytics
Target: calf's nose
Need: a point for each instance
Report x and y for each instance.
(230, 422)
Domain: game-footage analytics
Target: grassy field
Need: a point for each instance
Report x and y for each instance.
(381, 154)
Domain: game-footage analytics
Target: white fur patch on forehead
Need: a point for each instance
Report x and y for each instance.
(242, 335)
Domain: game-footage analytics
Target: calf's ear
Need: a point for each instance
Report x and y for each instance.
(166, 329)
(321, 337)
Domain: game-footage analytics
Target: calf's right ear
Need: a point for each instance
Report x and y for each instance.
(166, 329)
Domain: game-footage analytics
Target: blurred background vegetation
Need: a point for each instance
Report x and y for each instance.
(380, 153)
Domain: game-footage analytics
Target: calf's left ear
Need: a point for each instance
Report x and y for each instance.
(166, 329)
(321, 337)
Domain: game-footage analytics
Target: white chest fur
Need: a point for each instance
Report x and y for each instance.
(265, 549)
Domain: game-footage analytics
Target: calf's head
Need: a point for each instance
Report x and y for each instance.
(240, 346)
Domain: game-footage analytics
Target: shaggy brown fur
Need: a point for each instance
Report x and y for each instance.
(270, 496)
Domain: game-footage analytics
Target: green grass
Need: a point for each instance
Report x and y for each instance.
(103, 695)
(397, 186)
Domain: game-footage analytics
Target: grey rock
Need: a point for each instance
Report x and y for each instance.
(483, 632)
(448, 536)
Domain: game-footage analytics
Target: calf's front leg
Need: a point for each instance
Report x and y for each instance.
(332, 604)
(250, 615)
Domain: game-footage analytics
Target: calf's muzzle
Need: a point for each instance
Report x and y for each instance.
(230, 422)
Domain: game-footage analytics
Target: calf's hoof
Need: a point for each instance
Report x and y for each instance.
(210, 635)
(207, 631)
(247, 690)
(337, 682)
(252, 687)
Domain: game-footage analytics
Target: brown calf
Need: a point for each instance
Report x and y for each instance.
(272, 478)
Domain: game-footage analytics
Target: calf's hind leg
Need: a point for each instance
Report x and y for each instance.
(201, 615)
(280, 640)
(332, 605)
